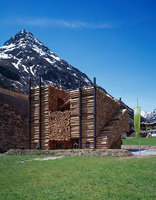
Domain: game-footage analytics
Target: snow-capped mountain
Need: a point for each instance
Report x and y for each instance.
(24, 57)
(150, 116)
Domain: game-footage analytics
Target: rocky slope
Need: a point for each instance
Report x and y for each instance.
(24, 57)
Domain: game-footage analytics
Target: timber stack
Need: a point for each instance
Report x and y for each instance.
(44, 119)
(86, 118)
(92, 119)
(13, 120)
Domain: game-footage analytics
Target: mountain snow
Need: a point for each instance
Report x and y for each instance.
(24, 57)
(151, 116)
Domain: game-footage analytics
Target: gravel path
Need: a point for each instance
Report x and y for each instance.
(144, 150)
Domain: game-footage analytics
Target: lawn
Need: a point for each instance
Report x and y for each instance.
(77, 177)
(143, 141)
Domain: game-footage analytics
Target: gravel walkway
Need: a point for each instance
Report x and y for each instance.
(144, 150)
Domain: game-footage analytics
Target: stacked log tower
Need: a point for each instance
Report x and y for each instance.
(87, 116)
(43, 102)
(97, 120)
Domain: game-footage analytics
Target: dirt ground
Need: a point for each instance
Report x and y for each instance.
(149, 148)
(123, 152)
(72, 152)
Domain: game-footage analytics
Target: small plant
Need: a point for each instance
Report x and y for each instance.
(109, 153)
(115, 153)
(52, 153)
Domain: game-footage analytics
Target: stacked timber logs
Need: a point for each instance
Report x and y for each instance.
(13, 129)
(87, 109)
(59, 125)
(42, 119)
(42, 105)
(120, 125)
(55, 96)
(83, 116)
(17, 101)
(12, 93)
(106, 108)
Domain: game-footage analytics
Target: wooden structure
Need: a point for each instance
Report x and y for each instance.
(51, 118)
(13, 120)
(97, 120)
(44, 109)
(87, 116)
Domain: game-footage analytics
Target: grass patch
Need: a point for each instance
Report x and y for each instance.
(143, 141)
(77, 178)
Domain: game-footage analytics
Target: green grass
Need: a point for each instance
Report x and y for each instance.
(143, 141)
(79, 178)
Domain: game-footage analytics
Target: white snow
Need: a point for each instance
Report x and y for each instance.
(38, 50)
(37, 41)
(145, 114)
(52, 62)
(69, 68)
(5, 56)
(25, 69)
(7, 46)
(17, 64)
(74, 74)
(32, 70)
(42, 53)
(56, 58)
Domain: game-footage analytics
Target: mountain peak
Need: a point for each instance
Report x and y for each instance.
(24, 37)
(151, 116)
(25, 32)
(24, 57)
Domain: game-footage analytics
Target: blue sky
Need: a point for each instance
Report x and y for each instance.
(112, 40)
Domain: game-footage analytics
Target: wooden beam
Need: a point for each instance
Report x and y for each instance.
(79, 114)
(94, 113)
(40, 113)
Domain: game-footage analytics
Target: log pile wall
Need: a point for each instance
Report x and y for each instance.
(60, 129)
(35, 118)
(55, 96)
(106, 108)
(13, 129)
(87, 109)
(17, 101)
(49, 99)
(14, 94)
(121, 125)
(59, 125)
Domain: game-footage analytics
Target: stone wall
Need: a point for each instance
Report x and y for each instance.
(13, 128)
